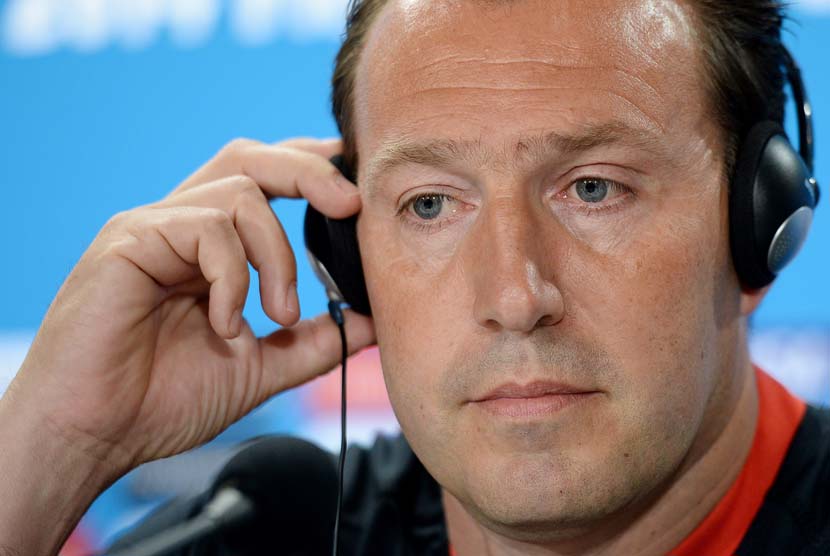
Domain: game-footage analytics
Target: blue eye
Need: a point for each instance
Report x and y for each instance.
(592, 190)
(428, 206)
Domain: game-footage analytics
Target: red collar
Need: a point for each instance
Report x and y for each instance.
(779, 415)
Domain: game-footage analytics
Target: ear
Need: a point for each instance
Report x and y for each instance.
(751, 298)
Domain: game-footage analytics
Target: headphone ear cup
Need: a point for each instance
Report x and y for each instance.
(771, 204)
(334, 254)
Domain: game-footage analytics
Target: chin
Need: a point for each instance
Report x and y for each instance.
(547, 501)
(560, 520)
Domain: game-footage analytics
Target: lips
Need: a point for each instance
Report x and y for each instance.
(534, 389)
(535, 399)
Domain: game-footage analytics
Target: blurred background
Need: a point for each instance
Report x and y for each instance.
(108, 104)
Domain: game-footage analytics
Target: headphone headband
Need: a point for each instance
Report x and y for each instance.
(804, 110)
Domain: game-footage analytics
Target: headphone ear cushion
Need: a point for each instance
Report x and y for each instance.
(333, 243)
(770, 205)
(751, 272)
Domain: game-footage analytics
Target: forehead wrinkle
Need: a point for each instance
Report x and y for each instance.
(627, 99)
(452, 63)
(536, 148)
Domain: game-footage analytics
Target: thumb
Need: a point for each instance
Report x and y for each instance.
(292, 356)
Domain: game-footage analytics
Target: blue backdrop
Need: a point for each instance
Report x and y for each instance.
(107, 104)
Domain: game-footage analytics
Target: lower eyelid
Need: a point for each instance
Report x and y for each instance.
(435, 225)
(620, 199)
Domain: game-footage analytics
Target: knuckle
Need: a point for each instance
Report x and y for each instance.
(317, 333)
(216, 220)
(219, 224)
(297, 157)
(117, 250)
(125, 231)
(125, 224)
(119, 220)
(235, 146)
(118, 244)
(297, 141)
(247, 187)
(321, 172)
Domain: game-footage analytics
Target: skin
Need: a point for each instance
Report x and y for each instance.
(517, 279)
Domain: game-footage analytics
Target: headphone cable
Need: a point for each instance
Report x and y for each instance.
(337, 315)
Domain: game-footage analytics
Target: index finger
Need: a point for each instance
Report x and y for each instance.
(284, 171)
(326, 148)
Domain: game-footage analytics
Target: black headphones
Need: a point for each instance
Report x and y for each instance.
(772, 198)
(773, 193)
(334, 254)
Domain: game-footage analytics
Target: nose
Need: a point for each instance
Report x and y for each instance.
(511, 266)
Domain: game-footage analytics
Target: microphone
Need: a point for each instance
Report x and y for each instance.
(276, 496)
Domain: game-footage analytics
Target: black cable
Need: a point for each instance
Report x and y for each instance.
(337, 315)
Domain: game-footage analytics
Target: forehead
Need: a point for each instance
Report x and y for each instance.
(488, 70)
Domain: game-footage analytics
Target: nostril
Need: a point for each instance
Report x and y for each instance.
(546, 320)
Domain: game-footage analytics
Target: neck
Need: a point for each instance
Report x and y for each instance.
(712, 464)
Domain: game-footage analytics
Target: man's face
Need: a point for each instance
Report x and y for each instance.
(543, 204)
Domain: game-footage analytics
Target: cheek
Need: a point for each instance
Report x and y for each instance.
(661, 274)
(657, 305)
(413, 287)
(415, 318)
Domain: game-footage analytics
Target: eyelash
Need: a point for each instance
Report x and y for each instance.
(590, 209)
(425, 225)
(585, 208)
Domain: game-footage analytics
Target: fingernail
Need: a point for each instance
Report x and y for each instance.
(235, 325)
(346, 186)
(292, 302)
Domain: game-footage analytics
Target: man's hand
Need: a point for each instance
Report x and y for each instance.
(144, 353)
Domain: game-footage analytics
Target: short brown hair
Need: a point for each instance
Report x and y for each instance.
(742, 52)
(361, 14)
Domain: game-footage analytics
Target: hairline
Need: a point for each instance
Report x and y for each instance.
(364, 13)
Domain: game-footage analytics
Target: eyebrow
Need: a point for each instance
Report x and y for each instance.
(443, 153)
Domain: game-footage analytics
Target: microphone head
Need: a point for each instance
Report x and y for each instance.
(293, 485)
